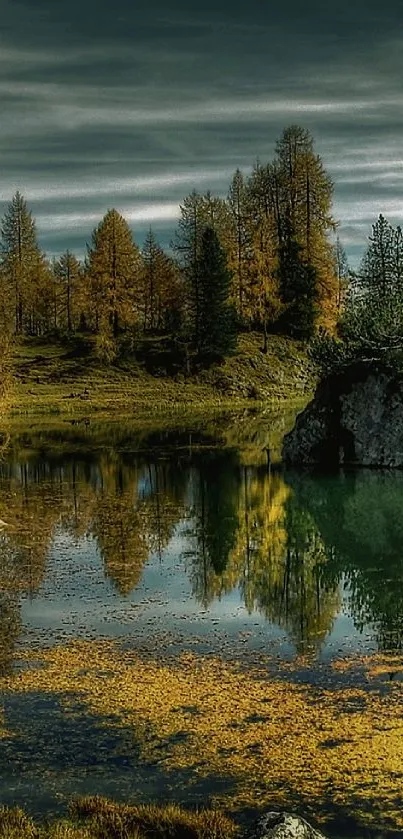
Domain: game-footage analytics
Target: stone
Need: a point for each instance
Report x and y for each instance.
(282, 825)
(355, 418)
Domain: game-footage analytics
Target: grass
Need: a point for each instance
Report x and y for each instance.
(97, 818)
(55, 378)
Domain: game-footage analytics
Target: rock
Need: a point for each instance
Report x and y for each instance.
(355, 418)
(279, 825)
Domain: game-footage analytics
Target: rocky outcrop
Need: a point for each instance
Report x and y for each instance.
(279, 825)
(356, 417)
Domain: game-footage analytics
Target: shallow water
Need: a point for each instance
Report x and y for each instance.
(178, 544)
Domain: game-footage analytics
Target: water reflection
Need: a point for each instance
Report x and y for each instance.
(297, 550)
(359, 516)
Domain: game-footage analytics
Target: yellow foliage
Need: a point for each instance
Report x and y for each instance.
(277, 740)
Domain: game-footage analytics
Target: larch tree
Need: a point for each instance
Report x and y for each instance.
(238, 242)
(263, 218)
(67, 272)
(24, 271)
(161, 288)
(304, 206)
(342, 272)
(112, 271)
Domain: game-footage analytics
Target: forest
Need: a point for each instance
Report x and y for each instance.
(265, 258)
(260, 259)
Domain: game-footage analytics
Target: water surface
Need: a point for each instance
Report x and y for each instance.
(172, 542)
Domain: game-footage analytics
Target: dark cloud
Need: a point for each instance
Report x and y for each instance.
(134, 104)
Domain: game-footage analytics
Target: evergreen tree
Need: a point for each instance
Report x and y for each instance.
(298, 288)
(23, 267)
(197, 213)
(187, 246)
(113, 268)
(216, 335)
(381, 268)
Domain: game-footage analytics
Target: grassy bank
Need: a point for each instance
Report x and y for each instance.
(68, 379)
(97, 818)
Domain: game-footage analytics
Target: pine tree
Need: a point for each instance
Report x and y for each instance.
(187, 247)
(197, 213)
(216, 334)
(380, 270)
(112, 268)
(298, 287)
(23, 266)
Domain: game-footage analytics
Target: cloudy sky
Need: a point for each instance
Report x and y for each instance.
(134, 103)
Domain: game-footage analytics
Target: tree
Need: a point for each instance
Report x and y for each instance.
(161, 287)
(298, 288)
(380, 272)
(303, 203)
(370, 327)
(342, 271)
(68, 274)
(216, 333)
(237, 203)
(24, 271)
(197, 213)
(265, 236)
(112, 267)
(187, 246)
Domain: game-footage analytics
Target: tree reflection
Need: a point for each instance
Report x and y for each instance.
(286, 543)
(269, 549)
(359, 516)
(213, 489)
(135, 514)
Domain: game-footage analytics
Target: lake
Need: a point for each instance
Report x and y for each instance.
(181, 619)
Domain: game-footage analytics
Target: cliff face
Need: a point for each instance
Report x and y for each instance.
(356, 417)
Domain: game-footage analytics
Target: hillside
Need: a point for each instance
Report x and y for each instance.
(59, 378)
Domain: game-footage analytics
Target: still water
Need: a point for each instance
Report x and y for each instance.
(130, 556)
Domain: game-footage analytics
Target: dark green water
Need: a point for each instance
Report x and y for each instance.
(174, 538)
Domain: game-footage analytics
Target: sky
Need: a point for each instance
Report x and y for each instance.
(132, 104)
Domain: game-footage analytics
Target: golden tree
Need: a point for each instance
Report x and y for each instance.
(112, 270)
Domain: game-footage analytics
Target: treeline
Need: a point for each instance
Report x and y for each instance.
(261, 258)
